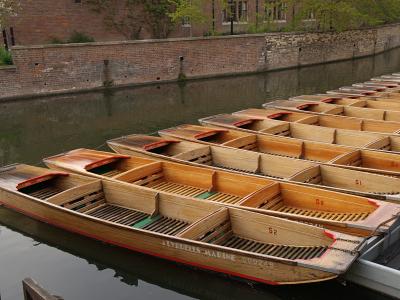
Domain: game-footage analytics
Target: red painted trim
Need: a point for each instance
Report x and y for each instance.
(104, 161)
(243, 122)
(207, 133)
(77, 231)
(330, 235)
(305, 105)
(373, 202)
(155, 145)
(329, 100)
(278, 115)
(38, 179)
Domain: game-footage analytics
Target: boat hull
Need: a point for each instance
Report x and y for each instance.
(165, 247)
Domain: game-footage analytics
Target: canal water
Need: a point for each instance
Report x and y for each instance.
(78, 268)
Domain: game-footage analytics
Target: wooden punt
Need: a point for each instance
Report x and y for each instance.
(388, 83)
(359, 96)
(338, 155)
(227, 240)
(390, 78)
(388, 87)
(263, 165)
(344, 213)
(339, 110)
(321, 120)
(371, 91)
(357, 139)
(360, 102)
(358, 92)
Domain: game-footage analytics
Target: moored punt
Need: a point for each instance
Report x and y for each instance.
(333, 109)
(359, 93)
(389, 87)
(328, 121)
(263, 165)
(361, 102)
(386, 78)
(359, 96)
(344, 156)
(358, 139)
(226, 240)
(337, 211)
(388, 83)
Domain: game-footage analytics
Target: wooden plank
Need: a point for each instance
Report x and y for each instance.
(33, 291)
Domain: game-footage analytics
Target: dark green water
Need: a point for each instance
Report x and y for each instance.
(78, 268)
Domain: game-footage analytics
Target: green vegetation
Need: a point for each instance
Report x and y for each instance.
(8, 8)
(75, 37)
(79, 37)
(338, 15)
(5, 57)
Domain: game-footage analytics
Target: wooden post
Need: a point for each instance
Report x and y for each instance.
(33, 291)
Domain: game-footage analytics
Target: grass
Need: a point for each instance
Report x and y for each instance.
(5, 57)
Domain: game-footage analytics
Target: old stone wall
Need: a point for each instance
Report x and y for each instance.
(64, 68)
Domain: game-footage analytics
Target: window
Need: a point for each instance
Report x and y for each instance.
(310, 15)
(275, 10)
(186, 22)
(238, 10)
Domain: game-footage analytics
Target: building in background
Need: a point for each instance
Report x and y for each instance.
(49, 21)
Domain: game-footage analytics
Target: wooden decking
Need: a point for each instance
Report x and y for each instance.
(223, 235)
(137, 219)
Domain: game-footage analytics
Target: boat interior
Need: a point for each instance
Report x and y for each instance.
(348, 111)
(120, 204)
(329, 121)
(308, 132)
(236, 189)
(258, 143)
(378, 162)
(227, 158)
(280, 167)
(327, 99)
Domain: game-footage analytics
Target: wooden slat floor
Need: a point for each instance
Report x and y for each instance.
(130, 217)
(222, 235)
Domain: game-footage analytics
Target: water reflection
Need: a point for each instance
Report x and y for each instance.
(31, 129)
(78, 268)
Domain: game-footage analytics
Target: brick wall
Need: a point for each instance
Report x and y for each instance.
(49, 69)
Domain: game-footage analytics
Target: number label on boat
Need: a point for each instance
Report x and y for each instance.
(272, 231)
(358, 182)
(319, 202)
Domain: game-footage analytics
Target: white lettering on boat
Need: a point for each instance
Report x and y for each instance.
(217, 254)
(257, 262)
(195, 249)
